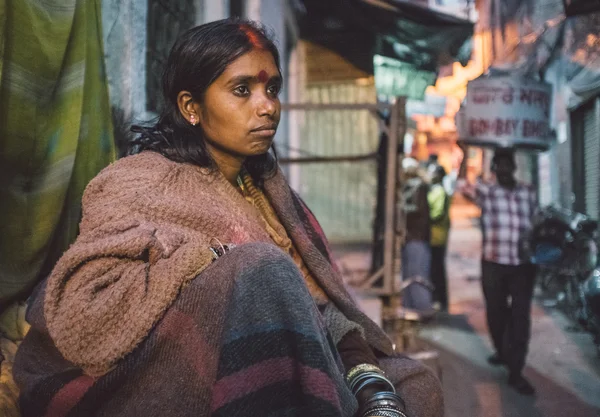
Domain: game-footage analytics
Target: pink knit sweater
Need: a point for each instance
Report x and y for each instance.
(147, 228)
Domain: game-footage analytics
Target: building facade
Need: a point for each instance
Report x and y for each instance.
(557, 42)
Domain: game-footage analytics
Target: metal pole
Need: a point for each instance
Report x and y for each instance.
(321, 159)
(389, 238)
(374, 107)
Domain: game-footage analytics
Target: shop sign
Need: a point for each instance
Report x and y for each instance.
(506, 111)
(395, 78)
(432, 105)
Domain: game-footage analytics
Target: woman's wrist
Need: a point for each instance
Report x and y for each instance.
(363, 375)
(361, 368)
(375, 393)
(363, 396)
(382, 404)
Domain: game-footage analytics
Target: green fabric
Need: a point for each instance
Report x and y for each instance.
(55, 130)
(439, 213)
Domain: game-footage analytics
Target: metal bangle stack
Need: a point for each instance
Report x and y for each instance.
(385, 403)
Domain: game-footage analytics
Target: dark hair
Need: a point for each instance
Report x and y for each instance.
(196, 60)
(503, 155)
(439, 171)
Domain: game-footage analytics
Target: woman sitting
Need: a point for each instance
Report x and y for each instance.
(200, 283)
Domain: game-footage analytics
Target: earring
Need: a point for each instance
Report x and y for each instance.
(193, 120)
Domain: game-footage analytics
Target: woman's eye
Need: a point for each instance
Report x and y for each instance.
(242, 90)
(274, 90)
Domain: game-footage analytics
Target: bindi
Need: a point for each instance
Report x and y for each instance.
(263, 76)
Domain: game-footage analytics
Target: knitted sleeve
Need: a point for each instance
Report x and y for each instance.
(109, 288)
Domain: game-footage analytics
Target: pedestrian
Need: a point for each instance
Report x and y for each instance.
(507, 277)
(449, 181)
(416, 252)
(439, 213)
(200, 283)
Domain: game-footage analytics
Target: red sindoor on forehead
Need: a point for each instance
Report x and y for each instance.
(263, 76)
(256, 42)
(252, 36)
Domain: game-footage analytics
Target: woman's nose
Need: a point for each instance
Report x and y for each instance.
(267, 106)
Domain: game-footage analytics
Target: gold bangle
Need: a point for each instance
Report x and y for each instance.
(359, 369)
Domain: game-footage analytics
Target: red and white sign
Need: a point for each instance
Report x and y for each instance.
(506, 111)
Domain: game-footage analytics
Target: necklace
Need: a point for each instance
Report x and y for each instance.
(241, 184)
(247, 195)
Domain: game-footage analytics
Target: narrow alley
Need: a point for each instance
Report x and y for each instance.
(562, 364)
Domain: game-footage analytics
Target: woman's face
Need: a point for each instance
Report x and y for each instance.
(240, 111)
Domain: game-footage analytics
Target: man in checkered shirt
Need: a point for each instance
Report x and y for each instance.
(506, 211)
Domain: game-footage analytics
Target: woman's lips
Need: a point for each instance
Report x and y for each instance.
(264, 133)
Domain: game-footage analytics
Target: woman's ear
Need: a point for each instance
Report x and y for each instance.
(188, 107)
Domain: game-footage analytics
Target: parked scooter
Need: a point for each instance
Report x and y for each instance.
(591, 291)
(563, 244)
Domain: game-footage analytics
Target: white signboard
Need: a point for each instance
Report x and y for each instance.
(506, 111)
(432, 105)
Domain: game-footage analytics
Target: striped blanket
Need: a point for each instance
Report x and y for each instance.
(230, 345)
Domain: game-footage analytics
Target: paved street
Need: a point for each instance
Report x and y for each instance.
(562, 365)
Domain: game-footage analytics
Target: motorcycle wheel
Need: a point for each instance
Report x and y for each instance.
(573, 302)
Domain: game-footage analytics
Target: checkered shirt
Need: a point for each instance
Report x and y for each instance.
(505, 218)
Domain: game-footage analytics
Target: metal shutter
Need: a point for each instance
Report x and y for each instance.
(591, 158)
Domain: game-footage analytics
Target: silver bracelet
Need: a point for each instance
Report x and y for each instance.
(384, 404)
(368, 378)
(360, 377)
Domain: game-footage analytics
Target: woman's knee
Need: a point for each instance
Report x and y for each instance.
(269, 290)
(247, 257)
(265, 258)
(262, 267)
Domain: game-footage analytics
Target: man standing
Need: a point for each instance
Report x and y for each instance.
(506, 211)
(439, 215)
